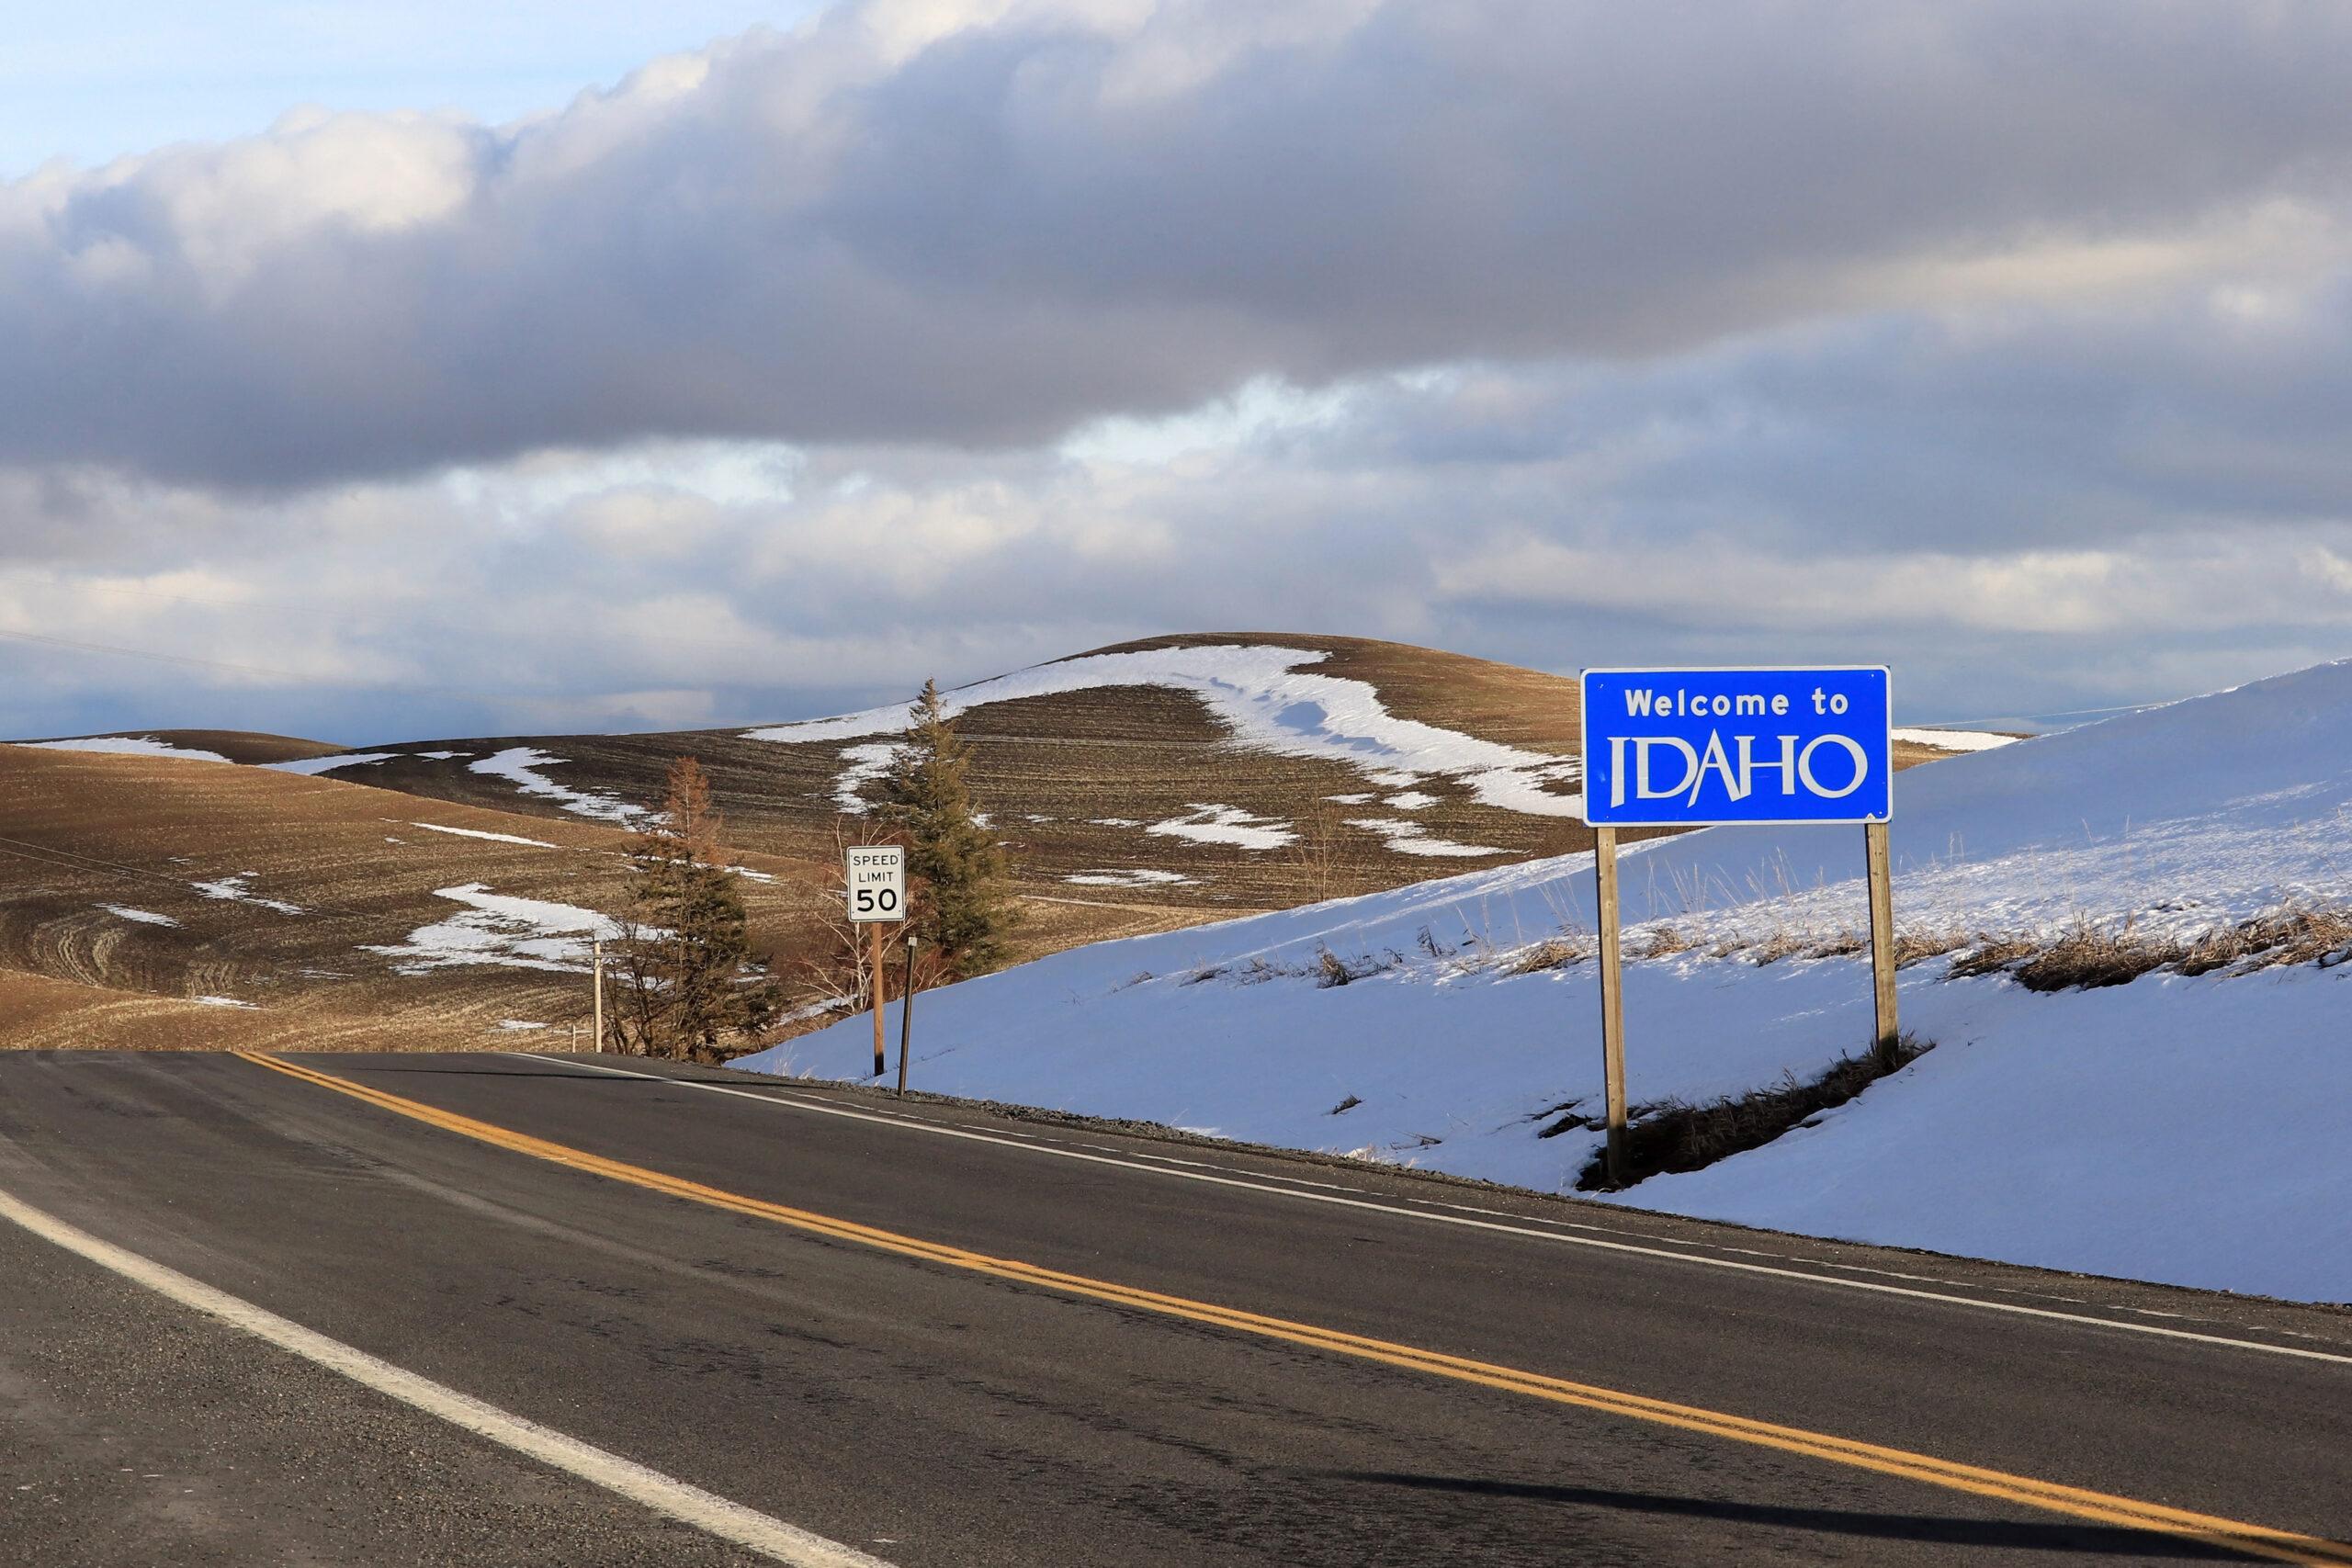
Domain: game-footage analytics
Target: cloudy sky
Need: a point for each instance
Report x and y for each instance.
(387, 371)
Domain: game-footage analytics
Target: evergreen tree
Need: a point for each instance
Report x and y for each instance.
(966, 914)
(689, 976)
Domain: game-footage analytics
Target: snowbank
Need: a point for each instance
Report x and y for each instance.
(2173, 1129)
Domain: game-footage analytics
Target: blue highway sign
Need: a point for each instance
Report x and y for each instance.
(1686, 747)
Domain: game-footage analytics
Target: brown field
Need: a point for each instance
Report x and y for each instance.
(80, 829)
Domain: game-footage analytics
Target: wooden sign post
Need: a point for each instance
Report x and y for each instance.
(1613, 1000)
(1879, 858)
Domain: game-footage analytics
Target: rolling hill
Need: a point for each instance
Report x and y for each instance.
(149, 901)
(1217, 772)
(149, 893)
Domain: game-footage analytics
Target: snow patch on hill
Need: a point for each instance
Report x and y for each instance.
(127, 746)
(142, 917)
(238, 889)
(310, 767)
(2176, 1129)
(478, 833)
(1227, 825)
(1270, 704)
(501, 929)
(521, 765)
(1954, 739)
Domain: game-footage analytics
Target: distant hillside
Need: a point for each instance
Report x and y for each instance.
(149, 901)
(1141, 788)
(1214, 773)
(202, 745)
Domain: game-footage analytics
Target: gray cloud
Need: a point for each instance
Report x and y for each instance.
(2010, 342)
(882, 227)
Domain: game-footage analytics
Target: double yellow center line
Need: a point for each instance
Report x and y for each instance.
(2257, 1540)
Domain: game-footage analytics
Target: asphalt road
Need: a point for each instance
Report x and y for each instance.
(940, 1337)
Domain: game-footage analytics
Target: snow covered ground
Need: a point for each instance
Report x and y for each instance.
(2185, 1130)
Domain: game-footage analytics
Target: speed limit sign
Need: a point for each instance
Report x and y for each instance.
(875, 875)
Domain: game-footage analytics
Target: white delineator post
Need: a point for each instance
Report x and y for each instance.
(597, 963)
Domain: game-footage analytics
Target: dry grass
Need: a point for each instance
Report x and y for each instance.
(2089, 955)
(1913, 946)
(1987, 954)
(1659, 941)
(2299, 933)
(2085, 956)
(1676, 1135)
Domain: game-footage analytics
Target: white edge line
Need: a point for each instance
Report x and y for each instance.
(1306, 1197)
(662, 1493)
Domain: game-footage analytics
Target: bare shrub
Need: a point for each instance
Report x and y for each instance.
(1319, 853)
(1330, 969)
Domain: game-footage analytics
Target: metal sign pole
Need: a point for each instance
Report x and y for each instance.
(1879, 858)
(880, 1065)
(1612, 999)
(907, 1012)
